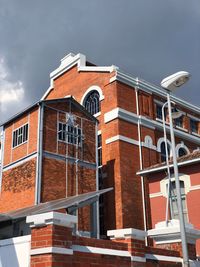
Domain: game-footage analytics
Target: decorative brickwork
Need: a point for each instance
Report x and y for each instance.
(18, 187)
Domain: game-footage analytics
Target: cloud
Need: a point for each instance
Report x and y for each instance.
(150, 39)
(11, 92)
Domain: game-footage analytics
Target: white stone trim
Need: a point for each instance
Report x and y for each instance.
(122, 138)
(195, 187)
(182, 145)
(163, 258)
(128, 140)
(148, 87)
(127, 233)
(163, 234)
(89, 90)
(148, 142)
(156, 169)
(138, 259)
(158, 194)
(119, 113)
(97, 114)
(104, 251)
(51, 217)
(113, 79)
(122, 114)
(182, 177)
(19, 162)
(54, 250)
(70, 61)
(98, 68)
(160, 141)
(15, 240)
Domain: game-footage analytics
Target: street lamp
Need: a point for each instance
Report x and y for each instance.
(170, 84)
(175, 115)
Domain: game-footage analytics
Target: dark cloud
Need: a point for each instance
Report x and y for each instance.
(149, 39)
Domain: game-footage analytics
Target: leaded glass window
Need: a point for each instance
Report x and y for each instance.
(92, 103)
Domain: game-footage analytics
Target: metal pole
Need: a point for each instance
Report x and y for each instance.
(178, 191)
(167, 162)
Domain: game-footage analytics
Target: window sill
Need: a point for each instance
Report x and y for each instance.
(181, 128)
(196, 134)
(159, 120)
(97, 114)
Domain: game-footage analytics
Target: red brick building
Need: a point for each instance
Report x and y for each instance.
(130, 130)
(130, 138)
(189, 173)
(49, 152)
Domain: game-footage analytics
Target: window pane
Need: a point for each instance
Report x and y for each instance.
(194, 126)
(158, 112)
(179, 122)
(92, 103)
(163, 151)
(173, 200)
(20, 135)
(182, 152)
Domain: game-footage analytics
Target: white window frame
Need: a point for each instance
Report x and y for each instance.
(187, 185)
(66, 141)
(18, 135)
(182, 145)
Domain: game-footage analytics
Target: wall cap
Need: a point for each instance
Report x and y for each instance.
(56, 218)
(127, 233)
(163, 234)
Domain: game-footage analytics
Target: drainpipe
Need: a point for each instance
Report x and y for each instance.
(39, 154)
(140, 156)
(2, 136)
(97, 184)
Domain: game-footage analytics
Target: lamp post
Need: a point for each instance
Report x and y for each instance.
(170, 84)
(167, 161)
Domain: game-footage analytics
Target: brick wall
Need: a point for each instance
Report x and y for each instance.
(18, 187)
(13, 154)
(54, 245)
(158, 204)
(120, 159)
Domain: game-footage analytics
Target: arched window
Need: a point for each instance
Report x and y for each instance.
(92, 103)
(163, 151)
(182, 152)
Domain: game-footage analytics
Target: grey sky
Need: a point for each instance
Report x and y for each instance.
(146, 38)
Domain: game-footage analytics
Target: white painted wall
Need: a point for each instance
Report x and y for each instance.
(15, 252)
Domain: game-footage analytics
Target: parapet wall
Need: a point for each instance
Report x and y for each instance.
(53, 244)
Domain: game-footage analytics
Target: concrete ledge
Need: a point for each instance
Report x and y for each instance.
(163, 234)
(51, 250)
(103, 251)
(56, 218)
(127, 233)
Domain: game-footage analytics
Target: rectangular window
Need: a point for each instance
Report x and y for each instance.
(173, 201)
(20, 135)
(179, 122)
(99, 151)
(69, 134)
(193, 126)
(159, 112)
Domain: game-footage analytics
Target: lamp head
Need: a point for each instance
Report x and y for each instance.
(175, 80)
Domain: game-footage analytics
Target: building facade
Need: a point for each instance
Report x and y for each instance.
(56, 149)
(130, 132)
(189, 173)
(49, 152)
